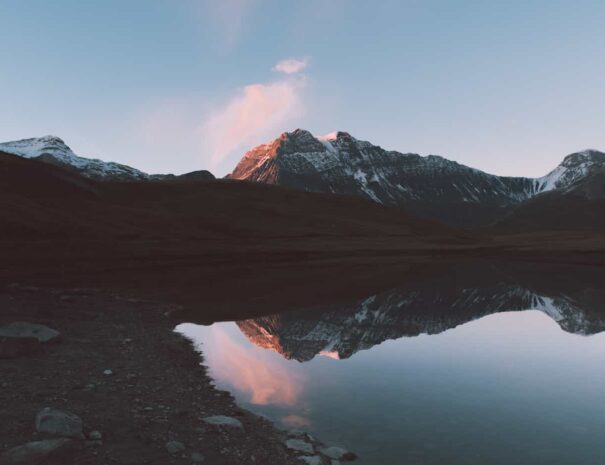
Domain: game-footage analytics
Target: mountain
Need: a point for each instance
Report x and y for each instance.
(573, 169)
(578, 206)
(54, 151)
(430, 187)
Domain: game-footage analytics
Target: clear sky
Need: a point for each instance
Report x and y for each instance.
(174, 86)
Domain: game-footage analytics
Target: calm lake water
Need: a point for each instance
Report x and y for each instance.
(465, 382)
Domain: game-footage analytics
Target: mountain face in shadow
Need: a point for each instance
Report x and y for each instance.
(342, 330)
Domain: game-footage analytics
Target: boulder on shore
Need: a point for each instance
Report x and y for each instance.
(24, 329)
(20, 338)
(37, 452)
(59, 423)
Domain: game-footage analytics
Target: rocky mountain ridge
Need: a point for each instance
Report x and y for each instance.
(431, 186)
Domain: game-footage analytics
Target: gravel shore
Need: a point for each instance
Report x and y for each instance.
(139, 388)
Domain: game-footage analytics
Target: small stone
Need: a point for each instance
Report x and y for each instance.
(59, 423)
(311, 460)
(223, 420)
(337, 453)
(36, 452)
(299, 445)
(108, 372)
(95, 435)
(196, 457)
(174, 447)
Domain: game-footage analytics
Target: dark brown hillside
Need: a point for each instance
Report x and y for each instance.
(57, 225)
(191, 210)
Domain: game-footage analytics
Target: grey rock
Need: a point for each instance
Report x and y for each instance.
(334, 452)
(196, 457)
(21, 339)
(35, 453)
(59, 423)
(299, 445)
(22, 329)
(311, 459)
(108, 372)
(95, 435)
(174, 447)
(223, 420)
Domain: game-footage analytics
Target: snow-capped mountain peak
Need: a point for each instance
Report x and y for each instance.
(53, 150)
(37, 146)
(574, 167)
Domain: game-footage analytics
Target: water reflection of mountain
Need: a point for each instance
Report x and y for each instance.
(340, 330)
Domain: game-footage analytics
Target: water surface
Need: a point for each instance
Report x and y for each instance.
(425, 377)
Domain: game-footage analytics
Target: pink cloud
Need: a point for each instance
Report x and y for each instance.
(291, 65)
(258, 111)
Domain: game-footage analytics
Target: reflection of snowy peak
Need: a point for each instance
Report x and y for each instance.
(340, 331)
(53, 150)
(430, 186)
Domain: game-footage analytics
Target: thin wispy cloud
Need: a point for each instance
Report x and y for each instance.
(229, 18)
(291, 65)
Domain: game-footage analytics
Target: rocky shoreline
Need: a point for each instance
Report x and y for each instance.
(116, 385)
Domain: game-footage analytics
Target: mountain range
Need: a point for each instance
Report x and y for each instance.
(430, 187)
(571, 196)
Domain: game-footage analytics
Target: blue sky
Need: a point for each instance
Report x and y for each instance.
(174, 86)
